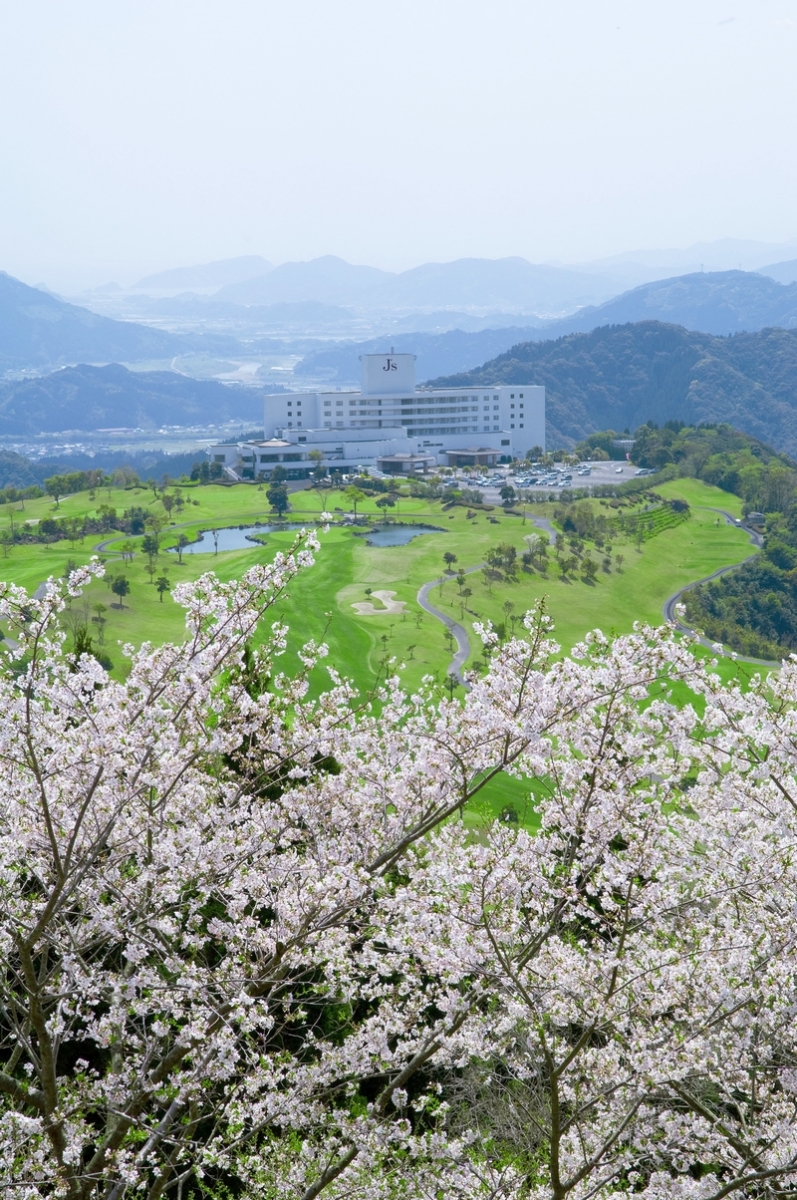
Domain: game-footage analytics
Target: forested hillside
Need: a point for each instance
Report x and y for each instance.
(719, 302)
(37, 329)
(620, 376)
(107, 397)
(752, 609)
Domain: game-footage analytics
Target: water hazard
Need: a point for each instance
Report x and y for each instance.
(246, 537)
(231, 539)
(397, 535)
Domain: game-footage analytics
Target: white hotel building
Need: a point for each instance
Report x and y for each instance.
(391, 424)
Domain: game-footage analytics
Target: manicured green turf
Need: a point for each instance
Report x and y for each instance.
(633, 592)
(319, 605)
(699, 494)
(320, 601)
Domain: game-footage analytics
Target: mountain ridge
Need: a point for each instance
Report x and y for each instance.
(101, 397)
(38, 329)
(620, 376)
(216, 274)
(718, 302)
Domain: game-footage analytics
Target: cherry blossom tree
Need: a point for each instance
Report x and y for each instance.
(250, 947)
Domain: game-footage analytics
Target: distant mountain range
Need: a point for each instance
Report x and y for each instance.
(717, 302)
(620, 376)
(208, 276)
(40, 330)
(784, 272)
(506, 283)
(436, 353)
(613, 377)
(111, 397)
(512, 285)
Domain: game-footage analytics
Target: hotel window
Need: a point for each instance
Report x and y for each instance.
(512, 397)
(495, 408)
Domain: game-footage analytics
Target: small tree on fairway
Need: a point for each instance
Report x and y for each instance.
(182, 542)
(317, 457)
(589, 569)
(120, 587)
(100, 621)
(567, 565)
(151, 547)
(385, 502)
(162, 584)
(449, 559)
(278, 498)
(355, 496)
(54, 486)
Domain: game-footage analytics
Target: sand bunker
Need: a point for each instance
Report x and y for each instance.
(366, 609)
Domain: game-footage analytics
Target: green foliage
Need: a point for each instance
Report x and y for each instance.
(601, 445)
(277, 494)
(753, 609)
(621, 375)
(75, 481)
(120, 586)
(206, 472)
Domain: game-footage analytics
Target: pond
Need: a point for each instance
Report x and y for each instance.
(397, 535)
(232, 539)
(245, 536)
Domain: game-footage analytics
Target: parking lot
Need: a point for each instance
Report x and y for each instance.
(586, 475)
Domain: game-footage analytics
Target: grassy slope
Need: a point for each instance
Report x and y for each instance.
(668, 561)
(346, 566)
(320, 602)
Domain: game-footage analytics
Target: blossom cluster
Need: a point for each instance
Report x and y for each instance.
(249, 944)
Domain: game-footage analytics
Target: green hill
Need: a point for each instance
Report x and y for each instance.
(620, 376)
(87, 397)
(40, 330)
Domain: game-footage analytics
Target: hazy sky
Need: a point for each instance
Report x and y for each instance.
(139, 135)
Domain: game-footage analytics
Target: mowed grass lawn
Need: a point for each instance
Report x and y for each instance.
(635, 591)
(319, 605)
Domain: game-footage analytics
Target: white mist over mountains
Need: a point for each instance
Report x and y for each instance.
(135, 137)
